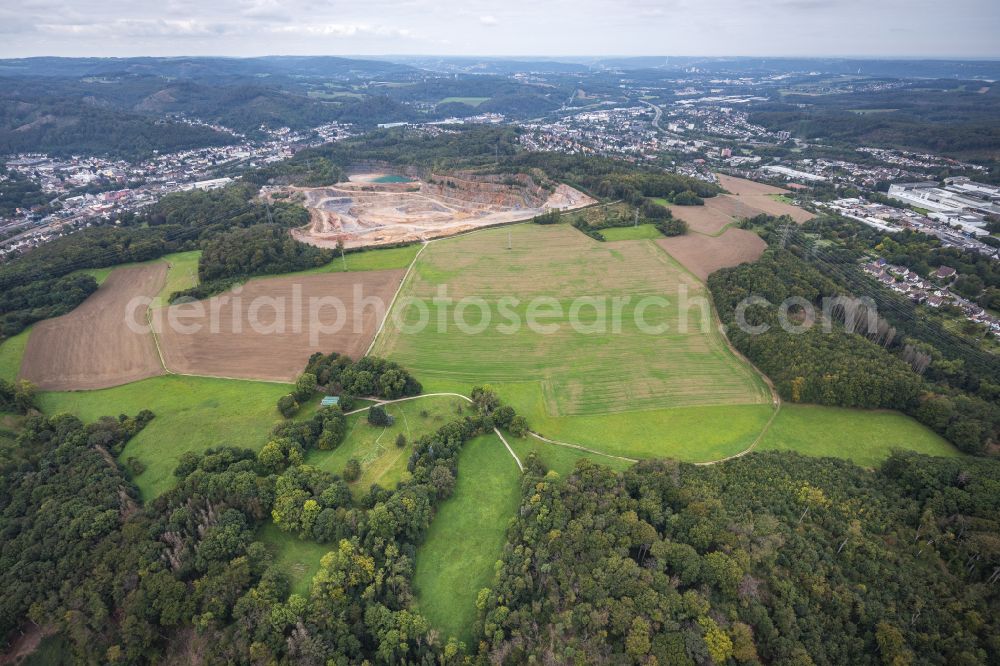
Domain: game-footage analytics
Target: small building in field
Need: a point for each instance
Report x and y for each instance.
(330, 401)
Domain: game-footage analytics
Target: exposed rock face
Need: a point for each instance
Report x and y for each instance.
(509, 191)
(366, 210)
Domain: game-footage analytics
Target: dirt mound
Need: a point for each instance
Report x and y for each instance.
(93, 347)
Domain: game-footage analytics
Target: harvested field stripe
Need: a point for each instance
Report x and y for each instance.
(156, 341)
(388, 310)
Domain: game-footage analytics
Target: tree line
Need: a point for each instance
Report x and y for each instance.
(771, 558)
(336, 374)
(43, 282)
(24, 305)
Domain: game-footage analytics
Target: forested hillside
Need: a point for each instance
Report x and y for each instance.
(184, 575)
(841, 353)
(772, 558)
(492, 150)
(64, 127)
(768, 559)
(945, 116)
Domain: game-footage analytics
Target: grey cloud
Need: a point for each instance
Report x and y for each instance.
(516, 27)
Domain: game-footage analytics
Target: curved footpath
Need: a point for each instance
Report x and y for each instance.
(578, 447)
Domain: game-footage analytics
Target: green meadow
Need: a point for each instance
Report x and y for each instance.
(182, 272)
(297, 558)
(11, 352)
(466, 538)
(368, 260)
(577, 307)
(640, 232)
(559, 459)
(866, 437)
(192, 414)
(691, 434)
(382, 462)
(471, 101)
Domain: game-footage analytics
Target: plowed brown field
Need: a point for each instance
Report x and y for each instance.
(748, 199)
(259, 332)
(92, 347)
(703, 255)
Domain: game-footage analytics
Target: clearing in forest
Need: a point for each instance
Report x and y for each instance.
(605, 365)
(192, 414)
(93, 347)
(864, 436)
(467, 537)
(382, 462)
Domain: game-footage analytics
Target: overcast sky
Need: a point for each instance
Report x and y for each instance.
(969, 28)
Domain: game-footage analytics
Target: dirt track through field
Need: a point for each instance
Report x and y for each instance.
(92, 347)
(263, 335)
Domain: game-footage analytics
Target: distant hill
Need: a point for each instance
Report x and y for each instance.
(202, 68)
(62, 126)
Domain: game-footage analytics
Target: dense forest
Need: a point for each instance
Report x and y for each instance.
(773, 558)
(17, 191)
(609, 178)
(262, 249)
(833, 367)
(955, 361)
(336, 374)
(183, 574)
(492, 150)
(123, 109)
(324, 165)
(241, 238)
(24, 305)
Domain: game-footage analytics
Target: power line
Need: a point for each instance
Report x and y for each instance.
(848, 272)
